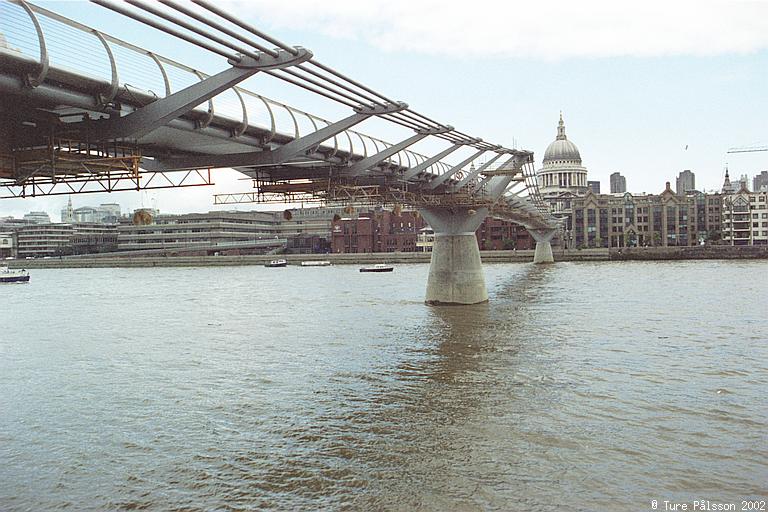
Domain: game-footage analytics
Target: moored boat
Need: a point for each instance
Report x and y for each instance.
(314, 263)
(13, 276)
(277, 263)
(379, 267)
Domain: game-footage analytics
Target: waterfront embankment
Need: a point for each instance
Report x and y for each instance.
(637, 253)
(698, 252)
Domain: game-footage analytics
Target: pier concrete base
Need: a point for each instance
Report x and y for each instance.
(543, 253)
(455, 271)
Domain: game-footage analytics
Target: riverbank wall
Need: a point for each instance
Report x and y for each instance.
(624, 254)
(699, 252)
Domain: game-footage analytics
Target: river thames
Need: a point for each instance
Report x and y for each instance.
(579, 386)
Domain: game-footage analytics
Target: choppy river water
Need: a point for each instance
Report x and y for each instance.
(579, 386)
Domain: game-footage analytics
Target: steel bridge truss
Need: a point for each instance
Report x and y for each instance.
(75, 167)
(346, 191)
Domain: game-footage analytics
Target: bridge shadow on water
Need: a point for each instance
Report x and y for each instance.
(459, 405)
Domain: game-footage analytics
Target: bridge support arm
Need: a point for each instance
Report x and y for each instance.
(438, 180)
(361, 166)
(158, 113)
(471, 176)
(282, 154)
(298, 146)
(497, 182)
(416, 170)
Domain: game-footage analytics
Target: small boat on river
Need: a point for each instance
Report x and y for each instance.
(13, 276)
(379, 267)
(277, 263)
(313, 263)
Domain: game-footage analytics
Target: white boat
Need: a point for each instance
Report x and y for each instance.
(277, 263)
(314, 263)
(379, 267)
(13, 276)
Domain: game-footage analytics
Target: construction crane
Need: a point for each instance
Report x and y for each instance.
(748, 149)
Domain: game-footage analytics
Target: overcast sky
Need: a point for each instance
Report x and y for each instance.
(637, 82)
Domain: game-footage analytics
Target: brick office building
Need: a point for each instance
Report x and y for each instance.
(497, 234)
(376, 231)
(383, 231)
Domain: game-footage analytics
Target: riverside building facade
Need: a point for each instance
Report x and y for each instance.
(44, 240)
(497, 234)
(745, 218)
(385, 231)
(202, 231)
(50, 240)
(308, 230)
(628, 220)
(7, 245)
(377, 231)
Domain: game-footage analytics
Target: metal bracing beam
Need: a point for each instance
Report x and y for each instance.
(88, 183)
(160, 112)
(453, 170)
(280, 155)
(487, 179)
(518, 202)
(496, 184)
(521, 211)
(472, 175)
(361, 166)
(414, 171)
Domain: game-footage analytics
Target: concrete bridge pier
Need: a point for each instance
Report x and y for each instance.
(543, 239)
(455, 271)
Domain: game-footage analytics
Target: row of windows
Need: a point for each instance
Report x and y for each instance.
(744, 234)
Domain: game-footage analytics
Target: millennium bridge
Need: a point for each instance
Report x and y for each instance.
(82, 111)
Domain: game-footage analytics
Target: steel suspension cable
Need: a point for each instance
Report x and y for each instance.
(318, 84)
(213, 37)
(218, 26)
(168, 30)
(336, 90)
(311, 89)
(246, 26)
